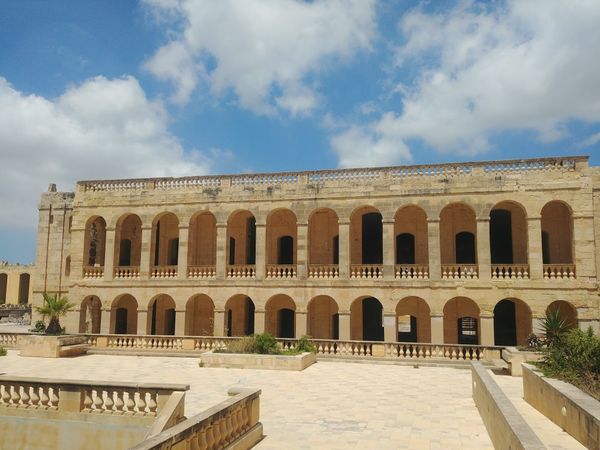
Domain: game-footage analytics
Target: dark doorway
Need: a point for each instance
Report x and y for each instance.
(465, 248)
(251, 241)
(229, 322)
(121, 321)
(545, 248)
(170, 321)
(335, 326)
(336, 250)
(372, 239)
(125, 253)
(410, 335)
(173, 251)
(286, 323)
(372, 320)
(501, 245)
(285, 250)
(467, 331)
(3, 286)
(405, 249)
(231, 251)
(505, 323)
(24, 288)
(249, 316)
(153, 318)
(157, 244)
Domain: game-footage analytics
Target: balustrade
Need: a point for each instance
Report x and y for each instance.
(559, 271)
(417, 271)
(17, 394)
(93, 272)
(127, 272)
(117, 400)
(459, 271)
(241, 271)
(366, 271)
(326, 271)
(202, 272)
(145, 342)
(8, 339)
(164, 272)
(510, 271)
(281, 271)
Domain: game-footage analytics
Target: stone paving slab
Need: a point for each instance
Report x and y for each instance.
(330, 405)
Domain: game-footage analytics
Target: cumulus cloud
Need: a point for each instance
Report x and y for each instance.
(100, 129)
(487, 68)
(261, 50)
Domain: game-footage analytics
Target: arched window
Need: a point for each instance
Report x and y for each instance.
(405, 249)
(372, 238)
(465, 248)
(285, 254)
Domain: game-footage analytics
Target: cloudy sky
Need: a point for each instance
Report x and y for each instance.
(110, 89)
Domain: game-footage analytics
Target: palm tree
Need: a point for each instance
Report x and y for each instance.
(54, 307)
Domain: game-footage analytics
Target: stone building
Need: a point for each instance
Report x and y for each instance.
(470, 253)
(16, 286)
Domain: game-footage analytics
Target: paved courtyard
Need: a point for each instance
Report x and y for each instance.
(331, 405)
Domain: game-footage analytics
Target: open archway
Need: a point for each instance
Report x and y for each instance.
(566, 310)
(323, 318)
(366, 319)
(90, 315)
(199, 316)
(128, 241)
(280, 320)
(461, 321)
(239, 316)
(241, 239)
(512, 322)
(161, 316)
(94, 242)
(123, 315)
(413, 320)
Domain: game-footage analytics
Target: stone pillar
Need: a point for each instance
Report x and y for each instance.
(437, 329)
(180, 322)
(483, 248)
(584, 256)
(261, 250)
(389, 254)
(259, 321)
(77, 251)
(302, 251)
(105, 321)
(182, 256)
(145, 257)
(109, 254)
(221, 252)
(344, 325)
(142, 321)
(534, 255)
(219, 326)
(487, 330)
(390, 328)
(344, 251)
(435, 259)
(300, 319)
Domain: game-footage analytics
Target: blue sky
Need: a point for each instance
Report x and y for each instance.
(112, 89)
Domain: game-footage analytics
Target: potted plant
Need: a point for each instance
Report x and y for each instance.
(54, 307)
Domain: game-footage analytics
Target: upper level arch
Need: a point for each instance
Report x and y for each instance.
(323, 237)
(128, 240)
(411, 235)
(241, 238)
(366, 236)
(94, 242)
(202, 239)
(282, 236)
(557, 233)
(458, 234)
(164, 246)
(508, 233)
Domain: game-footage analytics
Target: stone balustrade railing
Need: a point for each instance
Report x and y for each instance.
(366, 271)
(412, 271)
(202, 271)
(142, 342)
(281, 271)
(8, 340)
(326, 271)
(510, 271)
(559, 271)
(98, 397)
(459, 271)
(563, 164)
(93, 272)
(164, 272)
(241, 271)
(126, 272)
(233, 423)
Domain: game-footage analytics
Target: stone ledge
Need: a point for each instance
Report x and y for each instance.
(515, 357)
(45, 346)
(253, 361)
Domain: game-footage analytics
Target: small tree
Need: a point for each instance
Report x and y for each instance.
(54, 307)
(554, 327)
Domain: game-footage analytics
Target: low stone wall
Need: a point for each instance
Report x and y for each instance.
(506, 427)
(252, 361)
(515, 357)
(39, 345)
(567, 406)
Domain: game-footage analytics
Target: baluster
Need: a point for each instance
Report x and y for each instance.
(44, 398)
(108, 403)
(87, 401)
(53, 403)
(35, 398)
(130, 403)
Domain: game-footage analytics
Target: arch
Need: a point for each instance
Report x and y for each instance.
(280, 316)
(94, 242)
(413, 320)
(90, 315)
(123, 315)
(164, 245)
(161, 316)
(557, 233)
(323, 237)
(366, 319)
(282, 235)
(3, 287)
(323, 318)
(241, 238)
(24, 282)
(508, 233)
(411, 235)
(366, 236)
(461, 321)
(239, 316)
(456, 219)
(512, 322)
(128, 241)
(202, 240)
(567, 311)
(199, 316)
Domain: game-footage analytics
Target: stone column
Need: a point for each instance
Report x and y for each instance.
(261, 250)
(142, 321)
(259, 321)
(105, 321)
(487, 330)
(145, 257)
(390, 328)
(300, 320)
(344, 325)
(584, 256)
(109, 254)
(219, 326)
(534, 255)
(182, 256)
(483, 248)
(435, 259)
(302, 251)
(344, 252)
(389, 254)
(437, 328)
(221, 252)
(180, 322)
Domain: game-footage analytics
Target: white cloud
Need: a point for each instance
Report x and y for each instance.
(99, 129)
(261, 50)
(488, 68)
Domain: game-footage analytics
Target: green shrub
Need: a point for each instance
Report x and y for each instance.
(306, 345)
(246, 344)
(266, 344)
(39, 326)
(554, 327)
(2, 351)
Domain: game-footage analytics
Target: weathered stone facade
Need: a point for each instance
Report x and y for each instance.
(423, 253)
(16, 285)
